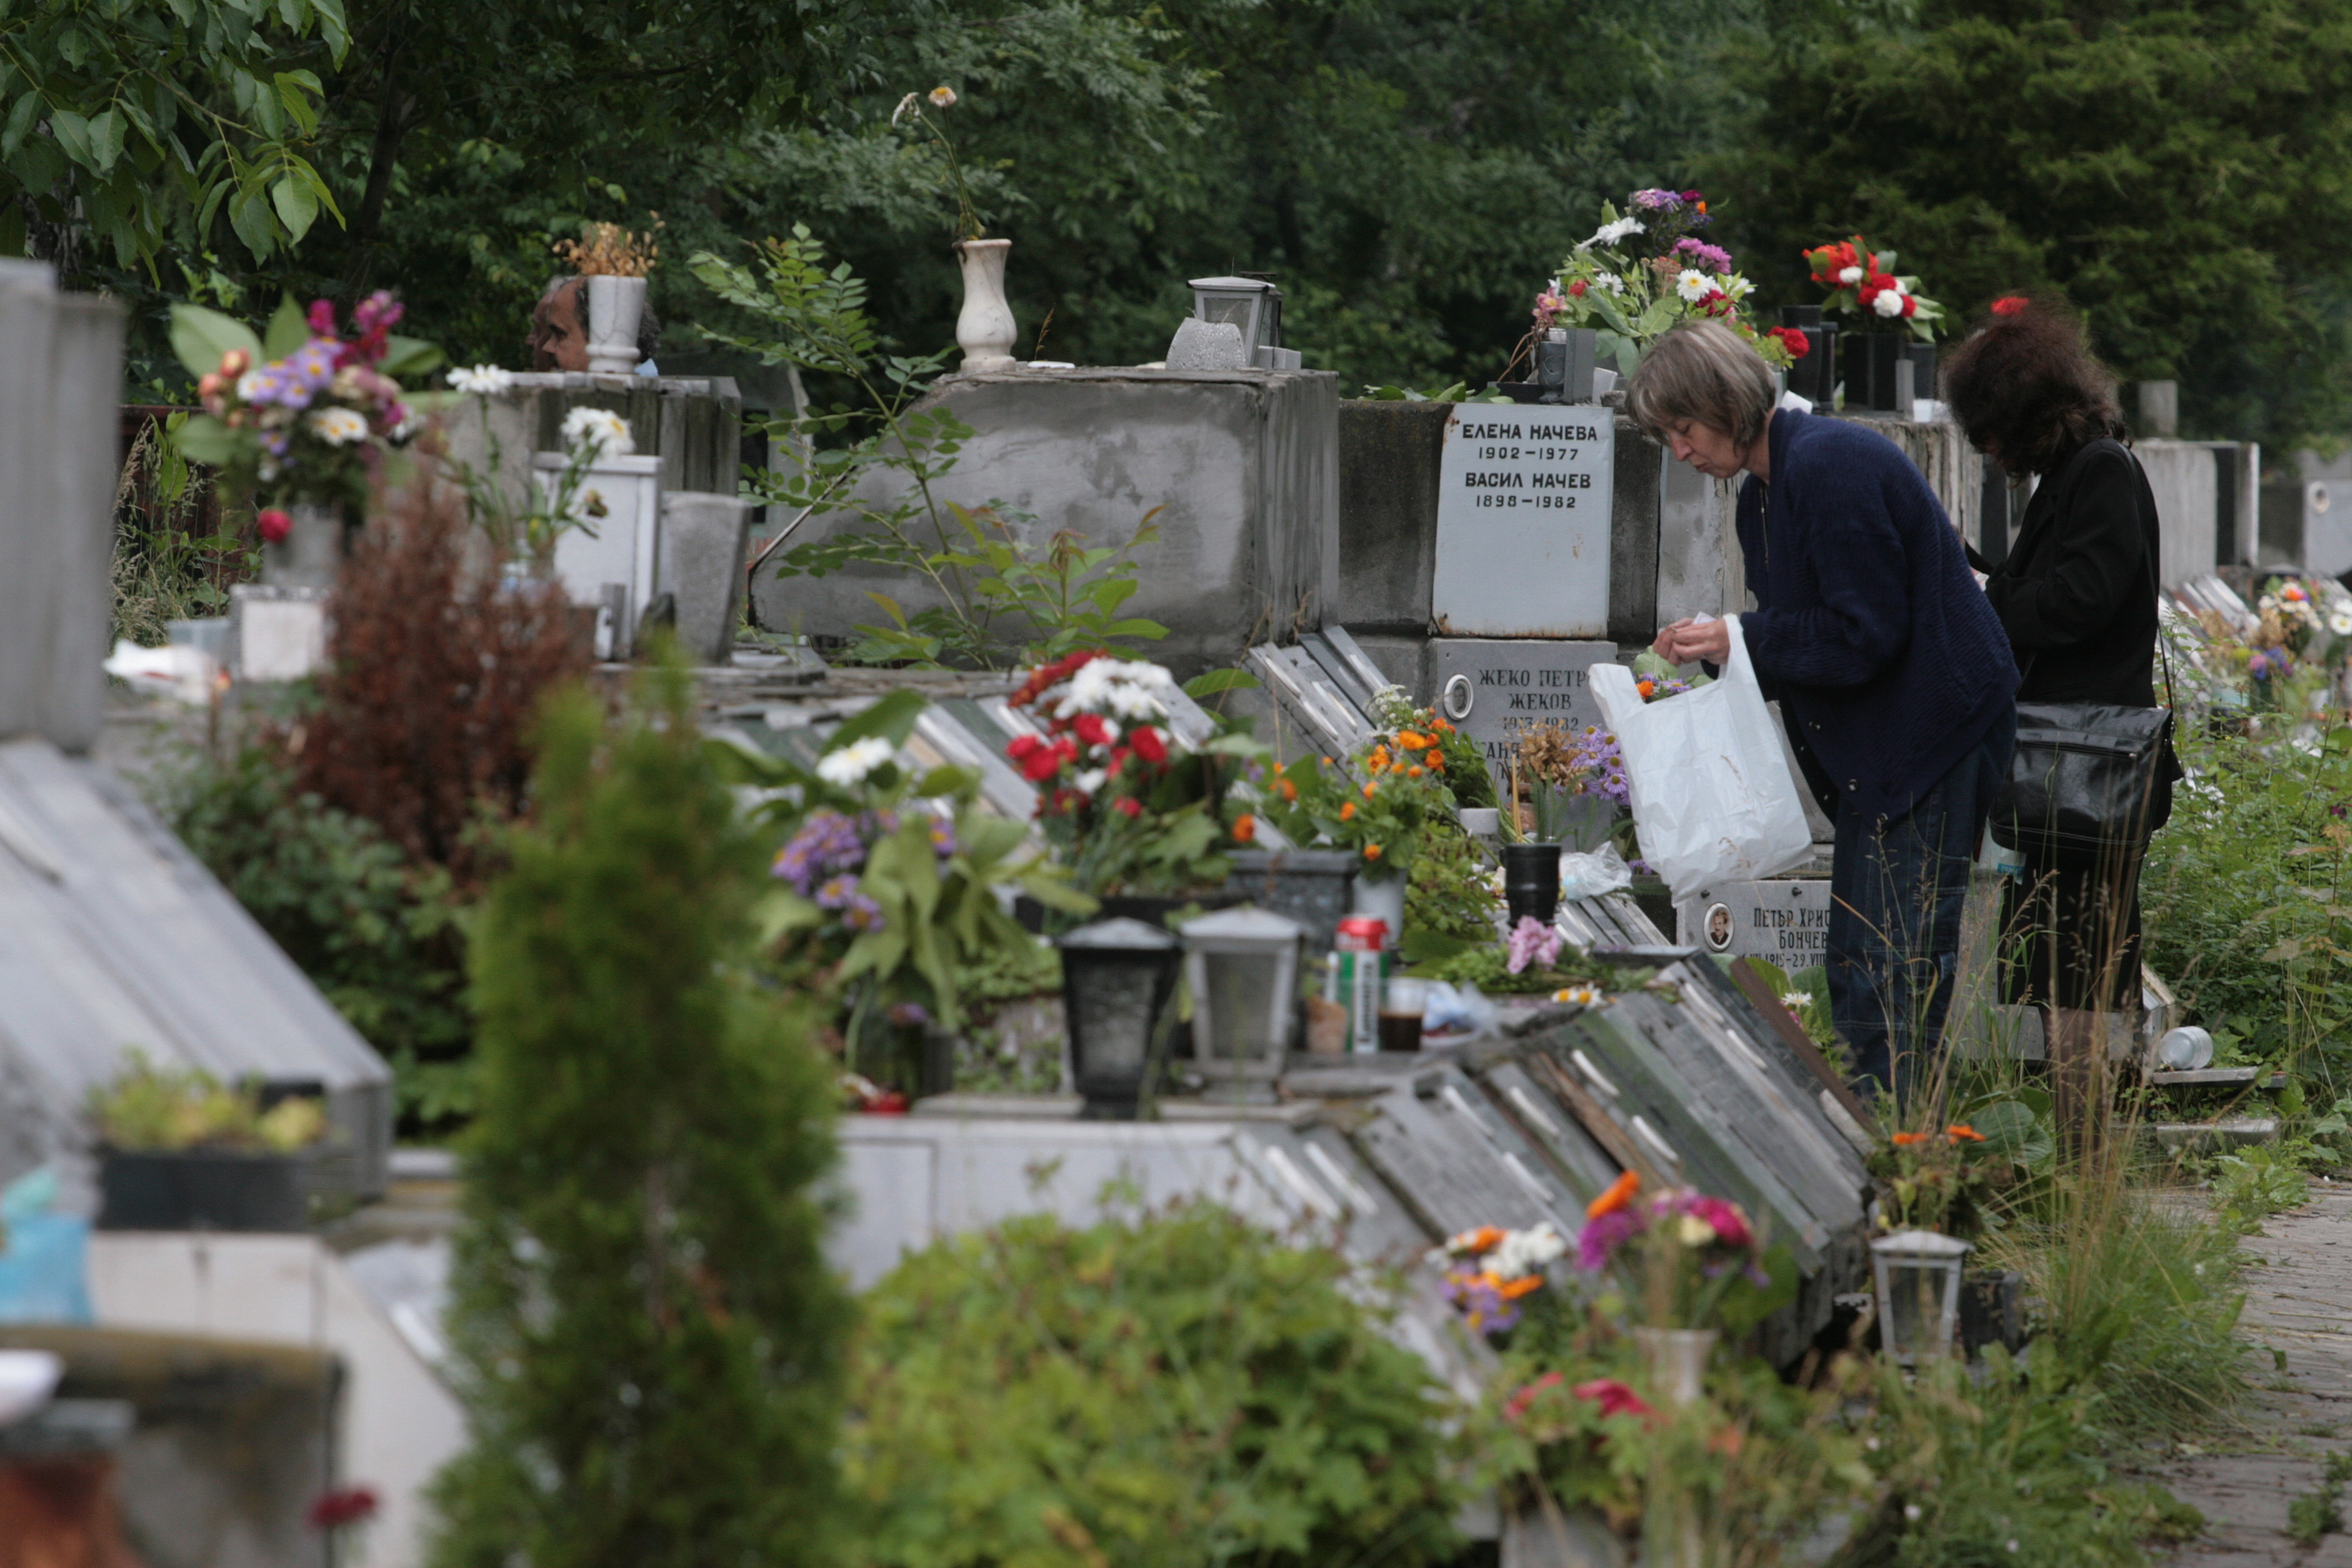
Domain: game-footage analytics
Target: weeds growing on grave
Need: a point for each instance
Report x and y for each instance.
(2320, 1510)
(174, 557)
(999, 600)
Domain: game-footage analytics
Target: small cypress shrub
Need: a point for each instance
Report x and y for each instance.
(650, 1343)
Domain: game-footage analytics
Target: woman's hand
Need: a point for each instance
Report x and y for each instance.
(1687, 640)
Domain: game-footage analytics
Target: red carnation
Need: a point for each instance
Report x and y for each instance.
(1021, 748)
(273, 524)
(1130, 806)
(1910, 304)
(1148, 743)
(1093, 730)
(1577, 287)
(1613, 1397)
(333, 1510)
(2009, 305)
(1794, 340)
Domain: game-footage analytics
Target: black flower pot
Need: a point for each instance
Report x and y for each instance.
(202, 1189)
(1531, 881)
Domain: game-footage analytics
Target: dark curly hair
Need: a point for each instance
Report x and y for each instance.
(2028, 390)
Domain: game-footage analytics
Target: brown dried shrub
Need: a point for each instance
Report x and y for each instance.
(434, 677)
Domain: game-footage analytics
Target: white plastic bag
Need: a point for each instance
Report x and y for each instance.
(1589, 876)
(1713, 800)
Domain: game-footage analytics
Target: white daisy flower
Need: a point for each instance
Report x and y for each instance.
(1611, 282)
(1694, 285)
(943, 98)
(1796, 1001)
(337, 427)
(1090, 781)
(599, 432)
(483, 380)
(1609, 234)
(2339, 620)
(850, 765)
(1523, 1252)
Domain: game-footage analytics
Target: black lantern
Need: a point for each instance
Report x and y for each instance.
(1813, 377)
(1117, 978)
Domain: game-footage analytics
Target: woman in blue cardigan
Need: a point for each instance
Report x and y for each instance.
(1893, 673)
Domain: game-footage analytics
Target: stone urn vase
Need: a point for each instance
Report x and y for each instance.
(984, 329)
(616, 306)
(311, 554)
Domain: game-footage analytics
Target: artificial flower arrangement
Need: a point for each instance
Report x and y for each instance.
(883, 882)
(1642, 274)
(1378, 806)
(305, 413)
(1489, 1271)
(1943, 1179)
(1683, 1252)
(1130, 808)
(1865, 281)
(571, 500)
(2302, 623)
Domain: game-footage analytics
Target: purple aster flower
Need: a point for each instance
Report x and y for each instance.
(1657, 201)
(907, 1015)
(1598, 1242)
(943, 837)
(827, 844)
(1482, 1306)
(1705, 257)
(862, 913)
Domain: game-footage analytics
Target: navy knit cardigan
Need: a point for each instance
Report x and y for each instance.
(1888, 663)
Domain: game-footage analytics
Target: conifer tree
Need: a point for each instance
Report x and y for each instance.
(649, 1341)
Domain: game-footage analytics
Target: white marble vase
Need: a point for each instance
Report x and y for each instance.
(985, 329)
(615, 306)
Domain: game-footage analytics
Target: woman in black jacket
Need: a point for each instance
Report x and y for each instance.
(2077, 595)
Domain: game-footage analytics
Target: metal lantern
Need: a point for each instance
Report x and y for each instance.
(1918, 1278)
(1255, 306)
(1117, 978)
(1243, 968)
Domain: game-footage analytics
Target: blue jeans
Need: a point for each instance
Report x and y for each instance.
(1897, 891)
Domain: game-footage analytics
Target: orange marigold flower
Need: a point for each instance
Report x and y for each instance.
(1512, 1289)
(1959, 1130)
(1289, 790)
(1621, 1193)
(1368, 789)
(1411, 742)
(1371, 851)
(1905, 1140)
(1415, 770)
(1441, 726)
(1244, 829)
(1436, 762)
(1645, 688)
(1486, 1238)
(1348, 812)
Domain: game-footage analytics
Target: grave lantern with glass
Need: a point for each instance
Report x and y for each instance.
(1918, 1279)
(1243, 968)
(1117, 978)
(1255, 306)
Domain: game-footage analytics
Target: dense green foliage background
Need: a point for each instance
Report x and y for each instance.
(1409, 171)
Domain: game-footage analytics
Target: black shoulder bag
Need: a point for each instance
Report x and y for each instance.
(2089, 777)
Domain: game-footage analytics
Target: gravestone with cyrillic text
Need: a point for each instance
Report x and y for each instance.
(1523, 502)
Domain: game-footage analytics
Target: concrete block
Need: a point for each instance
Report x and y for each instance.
(57, 420)
(1389, 455)
(693, 424)
(1238, 470)
(2185, 481)
(1207, 345)
(702, 542)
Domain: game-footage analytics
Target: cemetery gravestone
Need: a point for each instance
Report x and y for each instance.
(1523, 521)
(1494, 688)
(1784, 922)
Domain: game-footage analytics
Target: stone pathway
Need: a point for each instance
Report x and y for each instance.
(2300, 1302)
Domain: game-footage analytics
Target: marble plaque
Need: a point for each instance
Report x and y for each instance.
(1523, 499)
(1781, 920)
(1493, 688)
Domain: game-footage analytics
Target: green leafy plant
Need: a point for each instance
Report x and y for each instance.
(881, 899)
(149, 1106)
(998, 598)
(1450, 891)
(1174, 1388)
(649, 1340)
(2256, 1183)
(1380, 804)
(378, 936)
